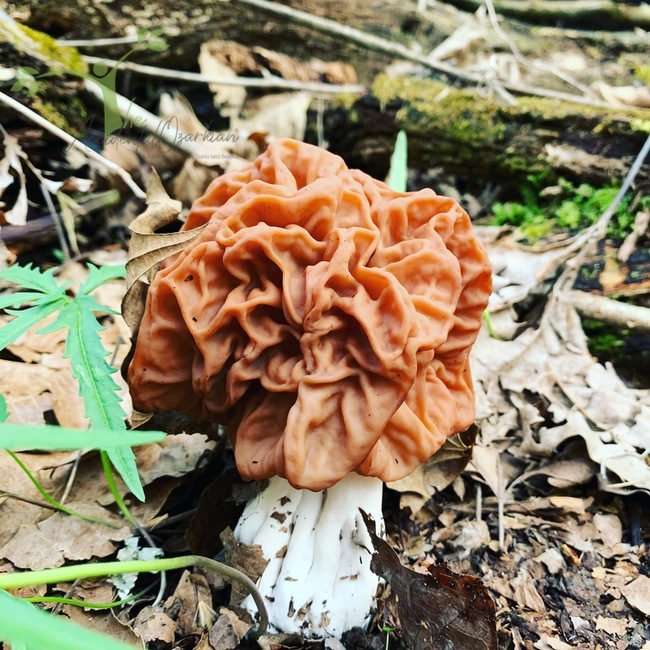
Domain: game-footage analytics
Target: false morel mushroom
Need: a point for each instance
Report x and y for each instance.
(328, 320)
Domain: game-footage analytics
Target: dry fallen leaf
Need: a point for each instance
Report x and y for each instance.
(637, 593)
(152, 624)
(62, 537)
(228, 631)
(191, 591)
(436, 473)
(439, 609)
(248, 558)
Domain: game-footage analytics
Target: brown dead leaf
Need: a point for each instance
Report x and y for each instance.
(228, 631)
(283, 116)
(436, 473)
(31, 346)
(637, 593)
(248, 558)
(437, 609)
(183, 605)
(617, 626)
(14, 512)
(104, 622)
(176, 455)
(68, 405)
(147, 248)
(25, 387)
(152, 624)
(526, 593)
(211, 63)
(609, 528)
(62, 537)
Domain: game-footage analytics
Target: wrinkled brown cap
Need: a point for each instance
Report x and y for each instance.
(327, 316)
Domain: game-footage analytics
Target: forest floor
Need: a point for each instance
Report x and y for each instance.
(550, 511)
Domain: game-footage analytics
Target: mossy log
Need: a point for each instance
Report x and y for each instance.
(481, 139)
(54, 96)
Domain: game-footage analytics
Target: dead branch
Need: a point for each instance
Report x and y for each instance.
(248, 82)
(377, 44)
(111, 167)
(610, 311)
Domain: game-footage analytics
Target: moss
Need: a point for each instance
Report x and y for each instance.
(50, 113)
(68, 58)
(602, 339)
(642, 73)
(30, 48)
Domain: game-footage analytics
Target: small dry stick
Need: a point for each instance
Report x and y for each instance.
(98, 42)
(494, 20)
(371, 42)
(250, 82)
(32, 116)
(610, 311)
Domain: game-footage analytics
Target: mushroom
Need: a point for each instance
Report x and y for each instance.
(328, 320)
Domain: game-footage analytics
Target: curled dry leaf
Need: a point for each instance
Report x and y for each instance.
(148, 248)
(436, 473)
(545, 386)
(228, 631)
(439, 609)
(637, 593)
(183, 605)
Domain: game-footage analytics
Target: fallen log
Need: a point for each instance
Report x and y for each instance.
(479, 138)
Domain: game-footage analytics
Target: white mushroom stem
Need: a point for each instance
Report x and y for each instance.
(318, 581)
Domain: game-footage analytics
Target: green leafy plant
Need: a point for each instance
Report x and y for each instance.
(21, 623)
(571, 207)
(29, 628)
(83, 347)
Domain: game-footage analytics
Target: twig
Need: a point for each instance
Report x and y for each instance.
(624, 39)
(20, 497)
(377, 44)
(610, 311)
(250, 82)
(98, 42)
(617, 13)
(73, 142)
(494, 20)
(71, 477)
(58, 225)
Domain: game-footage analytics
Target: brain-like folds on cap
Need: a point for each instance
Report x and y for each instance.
(326, 316)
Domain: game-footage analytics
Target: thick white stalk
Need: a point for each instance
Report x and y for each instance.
(318, 581)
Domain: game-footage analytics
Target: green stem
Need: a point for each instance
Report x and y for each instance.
(488, 323)
(100, 569)
(52, 501)
(112, 485)
(83, 603)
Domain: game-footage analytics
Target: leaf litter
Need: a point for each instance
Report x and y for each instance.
(570, 572)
